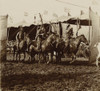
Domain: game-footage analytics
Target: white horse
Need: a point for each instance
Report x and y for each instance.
(97, 45)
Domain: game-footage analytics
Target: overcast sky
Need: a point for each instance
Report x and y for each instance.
(26, 9)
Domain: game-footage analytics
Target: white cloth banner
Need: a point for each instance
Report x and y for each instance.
(95, 36)
(55, 28)
(3, 27)
(95, 27)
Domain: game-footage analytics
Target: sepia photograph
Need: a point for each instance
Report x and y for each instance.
(49, 45)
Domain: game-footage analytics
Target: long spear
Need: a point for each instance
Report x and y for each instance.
(41, 20)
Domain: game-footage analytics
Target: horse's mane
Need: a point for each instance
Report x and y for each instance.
(77, 37)
(80, 35)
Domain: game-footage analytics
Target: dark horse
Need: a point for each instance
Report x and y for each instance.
(73, 45)
(48, 46)
(62, 45)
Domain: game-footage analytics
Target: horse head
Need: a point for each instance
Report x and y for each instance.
(83, 39)
(54, 38)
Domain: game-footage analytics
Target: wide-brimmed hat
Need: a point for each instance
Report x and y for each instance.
(21, 27)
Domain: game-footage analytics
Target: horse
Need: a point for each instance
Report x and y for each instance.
(21, 47)
(53, 43)
(62, 45)
(33, 49)
(97, 45)
(45, 46)
(48, 46)
(83, 51)
(73, 45)
(35, 45)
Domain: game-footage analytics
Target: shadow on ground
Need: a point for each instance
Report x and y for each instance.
(79, 62)
(35, 79)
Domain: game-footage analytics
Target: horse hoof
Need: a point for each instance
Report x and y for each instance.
(47, 62)
(39, 62)
(97, 69)
(71, 62)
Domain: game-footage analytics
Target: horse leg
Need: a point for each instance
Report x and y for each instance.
(60, 55)
(56, 56)
(24, 55)
(31, 56)
(50, 57)
(97, 63)
(39, 58)
(14, 52)
(73, 58)
(19, 56)
(16, 56)
(30, 53)
(13, 55)
(44, 57)
(49, 54)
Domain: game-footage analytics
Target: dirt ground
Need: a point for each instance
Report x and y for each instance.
(25, 76)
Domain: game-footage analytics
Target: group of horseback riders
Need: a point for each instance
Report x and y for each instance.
(41, 31)
(47, 42)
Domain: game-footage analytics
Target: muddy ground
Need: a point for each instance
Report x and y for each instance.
(25, 76)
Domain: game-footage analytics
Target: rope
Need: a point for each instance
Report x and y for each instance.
(72, 4)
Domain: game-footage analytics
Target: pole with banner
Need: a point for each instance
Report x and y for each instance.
(3, 40)
(89, 24)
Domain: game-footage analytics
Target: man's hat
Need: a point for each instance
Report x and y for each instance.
(21, 27)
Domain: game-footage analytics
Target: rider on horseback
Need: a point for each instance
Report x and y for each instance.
(69, 36)
(69, 33)
(40, 36)
(20, 35)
